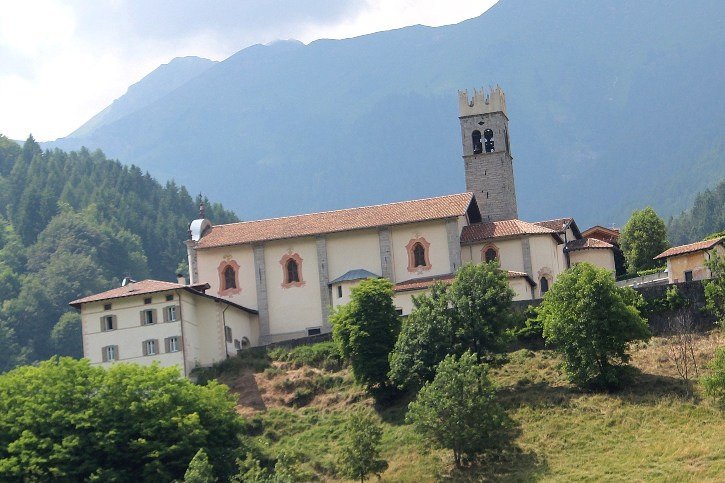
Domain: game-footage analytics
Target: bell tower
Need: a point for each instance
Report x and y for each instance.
(487, 154)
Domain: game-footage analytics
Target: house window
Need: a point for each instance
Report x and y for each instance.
(148, 317)
(170, 313)
(169, 298)
(228, 277)
(149, 347)
(314, 331)
(339, 291)
(543, 285)
(109, 353)
(228, 334)
(107, 307)
(291, 270)
(108, 322)
(237, 344)
(688, 276)
(489, 253)
(398, 311)
(418, 255)
(147, 301)
(172, 344)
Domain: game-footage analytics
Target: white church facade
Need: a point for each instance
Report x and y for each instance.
(281, 276)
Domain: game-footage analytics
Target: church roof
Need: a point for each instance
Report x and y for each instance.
(503, 229)
(584, 243)
(692, 247)
(399, 213)
(357, 274)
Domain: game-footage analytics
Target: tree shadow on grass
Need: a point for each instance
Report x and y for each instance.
(643, 388)
(536, 394)
(509, 462)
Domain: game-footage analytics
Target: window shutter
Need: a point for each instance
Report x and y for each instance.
(143, 320)
(115, 322)
(153, 315)
(103, 325)
(116, 353)
(181, 343)
(166, 314)
(178, 312)
(104, 354)
(144, 348)
(167, 343)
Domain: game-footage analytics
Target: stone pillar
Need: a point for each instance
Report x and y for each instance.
(325, 302)
(260, 277)
(193, 266)
(454, 244)
(526, 253)
(386, 253)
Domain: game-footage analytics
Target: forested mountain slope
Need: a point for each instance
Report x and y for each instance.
(76, 223)
(613, 105)
(704, 218)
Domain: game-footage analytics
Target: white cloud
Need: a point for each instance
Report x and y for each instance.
(62, 61)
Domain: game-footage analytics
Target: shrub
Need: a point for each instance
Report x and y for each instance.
(590, 321)
(458, 409)
(360, 451)
(322, 355)
(714, 384)
(715, 287)
(365, 330)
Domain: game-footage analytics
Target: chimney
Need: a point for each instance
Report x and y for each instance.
(181, 279)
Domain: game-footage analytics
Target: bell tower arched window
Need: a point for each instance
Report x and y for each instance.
(418, 255)
(228, 277)
(291, 270)
(488, 136)
(476, 139)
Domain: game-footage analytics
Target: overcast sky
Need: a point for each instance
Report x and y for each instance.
(62, 61)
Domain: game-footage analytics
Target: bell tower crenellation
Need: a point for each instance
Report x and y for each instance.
(487, 154)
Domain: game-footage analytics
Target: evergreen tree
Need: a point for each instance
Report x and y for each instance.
(199, 470)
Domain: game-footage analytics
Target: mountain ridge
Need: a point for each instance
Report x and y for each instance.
(296, 128)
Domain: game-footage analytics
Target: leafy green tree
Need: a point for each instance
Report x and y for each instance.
(360, 452)
(64, 420)
(458, 409)
(588, 319)
(11, 354)
(199, 470)
(643, 238)
(365, 330)
(715, 287)
(714, 384)
(67, 335)
(481, 299)
(472, 314)
(426, 337)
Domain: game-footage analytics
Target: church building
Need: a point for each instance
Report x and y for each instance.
(281, 276)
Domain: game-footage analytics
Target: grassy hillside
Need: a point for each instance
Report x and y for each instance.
(295, 401)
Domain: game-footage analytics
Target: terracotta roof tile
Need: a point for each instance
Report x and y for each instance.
(501, 229)
(136, 288)
(692, 247)
(336, 221)
(584, 243)
(555, 224)
(427, 282)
